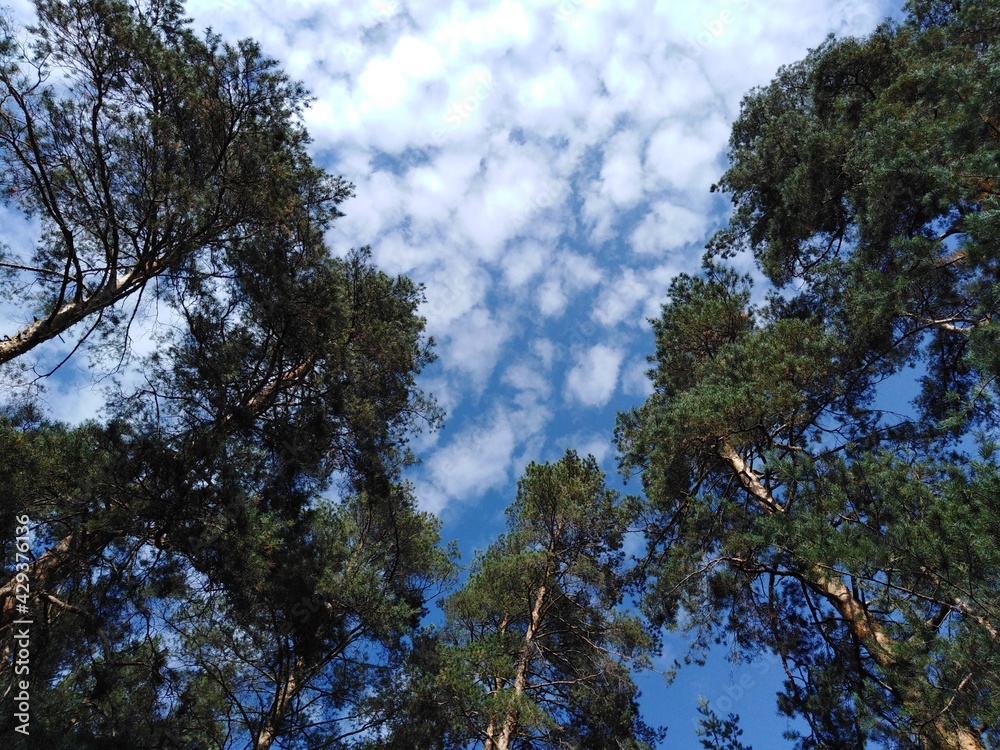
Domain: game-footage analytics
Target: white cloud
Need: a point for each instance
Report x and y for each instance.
(480, 457)
(595, 375)
(524, 261)
(596, 444)
(416, 58)
(474, 344)
(382, 83)
(551, 298)
(568, 274)
(550, 90)
(620, 296)
(74, 403)
(667, 227)
(526, 378)
(683, 156)
(627, 78)
(495, 31)
(435, 191)
(635, 381)
(455, 287)
(470, 466)
(530, 382)
(618, 187)
(495, 207)
(381, 208)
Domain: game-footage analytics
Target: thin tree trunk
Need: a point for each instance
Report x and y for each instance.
(524, 663)
(71, 313)
(282, 702)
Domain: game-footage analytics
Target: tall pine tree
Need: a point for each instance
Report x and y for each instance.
(230, 559)
(534, 652)
(789, 502)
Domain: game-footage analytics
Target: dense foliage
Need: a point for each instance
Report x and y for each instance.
(532, 653)
(788, 504)
(231, 557)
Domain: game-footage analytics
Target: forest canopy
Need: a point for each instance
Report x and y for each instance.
(231, 557)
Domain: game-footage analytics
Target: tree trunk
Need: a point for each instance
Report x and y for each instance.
(279, 708)
(866, 629)
(71, 313)
(524, 663)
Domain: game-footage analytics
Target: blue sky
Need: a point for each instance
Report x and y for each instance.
(543, 167)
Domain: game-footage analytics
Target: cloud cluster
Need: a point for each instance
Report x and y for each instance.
(543, 168)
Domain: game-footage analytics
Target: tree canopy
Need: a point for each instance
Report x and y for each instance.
(146, 153)
(786, 504)
(533, 652)
(231, 557)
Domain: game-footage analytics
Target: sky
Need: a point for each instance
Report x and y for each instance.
(543, 168)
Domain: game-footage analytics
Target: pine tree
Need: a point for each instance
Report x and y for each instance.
(231, 558)
(534, 652)
(145, 152)
(787, 504)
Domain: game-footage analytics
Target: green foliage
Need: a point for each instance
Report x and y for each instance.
(716, 733)
(146, 153)
(784, 505)
(232, 558)
(534, 651)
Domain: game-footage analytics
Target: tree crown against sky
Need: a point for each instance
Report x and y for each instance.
(533, 651)
(787, 506)
(231, 557)
(149, 156)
